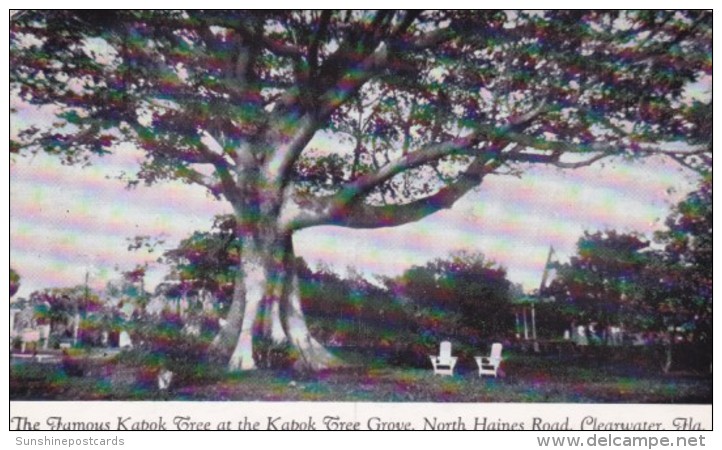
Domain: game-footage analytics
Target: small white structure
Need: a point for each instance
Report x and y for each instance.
(124, 340)
(44, 331)
(165, 377)
(192, 329)
(444, 363)
(13, 314)
(581, 336)
(489, 365)
(21, 323)
(615, 336)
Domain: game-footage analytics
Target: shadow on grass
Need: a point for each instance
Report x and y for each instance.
(526, 378)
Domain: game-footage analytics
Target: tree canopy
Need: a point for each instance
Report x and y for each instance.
(58, 305)
(432, 101)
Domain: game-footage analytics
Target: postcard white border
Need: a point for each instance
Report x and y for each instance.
(405, 411)
(336, 416)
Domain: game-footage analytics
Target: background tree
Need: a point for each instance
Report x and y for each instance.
(14, 282)
(605, 280)
(621, 278)
(433, 101)
(204, 264)
(62, 308)
(128, 292)
(351, 311)
(464, 296)
(682, 275)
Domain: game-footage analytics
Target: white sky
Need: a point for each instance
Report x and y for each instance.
(65, 220)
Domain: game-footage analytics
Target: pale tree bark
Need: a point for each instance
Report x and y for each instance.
(266, 309)
(311, 354)
(273, 329)
(225, 340)
(255, 282)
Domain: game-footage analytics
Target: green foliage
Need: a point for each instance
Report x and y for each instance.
(205, 262)
(684, 267)
(14, 282)
(616, 278)
(688, 239)
(604, 280)
(554, 317)
(128, 292)
(464, 296)
(63, 303)
(586, 83)
(352, 311)
(160, 342)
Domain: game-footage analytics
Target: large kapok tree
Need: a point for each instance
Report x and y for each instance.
(421, 106)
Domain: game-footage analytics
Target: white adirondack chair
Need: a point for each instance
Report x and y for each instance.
(489, 365)
(444, 363)
(124, 340)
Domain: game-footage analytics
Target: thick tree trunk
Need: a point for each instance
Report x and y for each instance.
(266, 309)
(225, 340)
(234, 342)
(255, 283)
(274, 330)
(311, 354)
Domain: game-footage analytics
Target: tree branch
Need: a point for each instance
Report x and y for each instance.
(553, 159)
(523, 120)
(430, 39)
(275, 47)
(202, 155)
(409, 18)
(278, 166)
(360, 215)
(352, 81)
(599, 150)
(365, 184)
(316, 42)
(193, 176)
(223, 170)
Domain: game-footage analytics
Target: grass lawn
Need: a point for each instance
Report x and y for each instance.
(527, 378)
